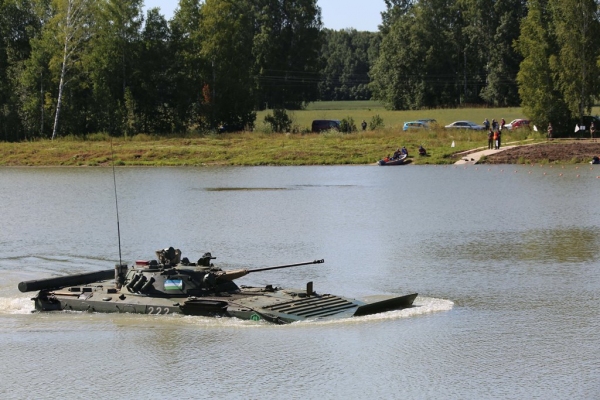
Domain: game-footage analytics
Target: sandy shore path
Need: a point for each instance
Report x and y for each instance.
(470, 158)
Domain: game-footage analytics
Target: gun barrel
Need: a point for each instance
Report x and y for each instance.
(321, 261)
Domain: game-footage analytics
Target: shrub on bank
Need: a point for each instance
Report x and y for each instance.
(347, 125)
(376, 123)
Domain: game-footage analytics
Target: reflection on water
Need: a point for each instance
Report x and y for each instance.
(504, 259)
(573, 245)
(224, 189)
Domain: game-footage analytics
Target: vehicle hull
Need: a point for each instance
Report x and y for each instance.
(270, 304)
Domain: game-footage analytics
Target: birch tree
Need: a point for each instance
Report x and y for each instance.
(71, 28)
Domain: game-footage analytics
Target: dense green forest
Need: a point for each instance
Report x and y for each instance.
(75, 67)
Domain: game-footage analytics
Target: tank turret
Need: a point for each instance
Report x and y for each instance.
(187, 279)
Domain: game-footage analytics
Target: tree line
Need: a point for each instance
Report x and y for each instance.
(541, 54)
(86, 66)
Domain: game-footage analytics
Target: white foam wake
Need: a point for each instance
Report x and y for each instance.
(421, 306)
(16, 305)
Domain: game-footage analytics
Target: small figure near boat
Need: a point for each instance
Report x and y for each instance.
(595, 160)
(397, 158)
(422, 151)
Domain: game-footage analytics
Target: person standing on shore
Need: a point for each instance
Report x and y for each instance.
(496, 140)
(490, 139)
(550, 130)
(486, 124)
(499, 139)
(592, 130)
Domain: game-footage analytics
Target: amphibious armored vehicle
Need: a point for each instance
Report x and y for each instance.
(174, 285)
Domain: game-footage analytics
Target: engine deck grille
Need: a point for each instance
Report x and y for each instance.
(313, 306)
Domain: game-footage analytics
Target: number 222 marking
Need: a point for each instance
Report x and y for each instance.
(159, 310)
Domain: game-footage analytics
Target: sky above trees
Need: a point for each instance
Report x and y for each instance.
(362, 15)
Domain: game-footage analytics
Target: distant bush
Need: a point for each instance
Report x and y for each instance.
(298, 129)
(376, 123)
(347, 125)
(279, 120)
(98, 137)
(142, 137)
(71, 138)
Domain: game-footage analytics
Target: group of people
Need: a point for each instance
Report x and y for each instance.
(399, 153)
(404, 151)
(494, 125)
(494, 132)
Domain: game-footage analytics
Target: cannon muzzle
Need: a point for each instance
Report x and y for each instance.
(321, 261)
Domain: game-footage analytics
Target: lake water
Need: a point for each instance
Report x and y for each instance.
(504, 258)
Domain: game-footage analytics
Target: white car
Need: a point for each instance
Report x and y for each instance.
(517, 123)
(465, 125)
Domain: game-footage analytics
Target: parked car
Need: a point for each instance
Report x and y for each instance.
(465, 125)
(320, 125)
(517, 123)
(420, 124)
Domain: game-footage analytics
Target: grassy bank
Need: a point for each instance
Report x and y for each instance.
(254, 148)
(262, 147)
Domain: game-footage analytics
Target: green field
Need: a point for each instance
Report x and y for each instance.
(365, 110)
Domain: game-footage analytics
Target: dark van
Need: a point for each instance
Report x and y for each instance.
(319, 125)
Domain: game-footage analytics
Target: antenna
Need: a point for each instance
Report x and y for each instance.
(116, 198)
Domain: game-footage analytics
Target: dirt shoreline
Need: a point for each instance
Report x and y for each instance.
(572, 152)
